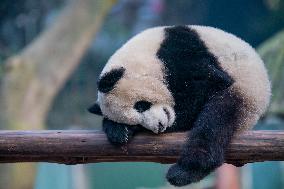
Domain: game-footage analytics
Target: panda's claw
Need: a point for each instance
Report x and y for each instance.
(117, 134)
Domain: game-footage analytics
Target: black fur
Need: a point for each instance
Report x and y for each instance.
(192, 73)
(202, 103)
(107, 82)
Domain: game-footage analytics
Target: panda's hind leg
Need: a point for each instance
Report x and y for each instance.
(208, 139)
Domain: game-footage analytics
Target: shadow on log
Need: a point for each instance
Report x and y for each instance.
(77, 146)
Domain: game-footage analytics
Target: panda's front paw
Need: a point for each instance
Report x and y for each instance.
(117, 133)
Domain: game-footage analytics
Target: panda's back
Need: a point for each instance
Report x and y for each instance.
(242, 63)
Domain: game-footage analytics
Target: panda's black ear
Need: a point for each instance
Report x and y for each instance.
(107, 82)
(95, 109)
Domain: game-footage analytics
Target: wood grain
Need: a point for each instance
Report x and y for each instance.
(84, 146)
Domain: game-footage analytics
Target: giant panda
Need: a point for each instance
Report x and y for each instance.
(181, 78)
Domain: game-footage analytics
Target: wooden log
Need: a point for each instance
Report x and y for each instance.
(84, 146)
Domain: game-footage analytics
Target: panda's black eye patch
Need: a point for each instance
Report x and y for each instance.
(142, 106)
(107, 82)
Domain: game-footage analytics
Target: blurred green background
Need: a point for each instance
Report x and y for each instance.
(23, 23)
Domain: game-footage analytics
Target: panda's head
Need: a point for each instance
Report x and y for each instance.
(132, 87)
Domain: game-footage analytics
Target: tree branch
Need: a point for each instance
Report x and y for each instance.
(74, 147)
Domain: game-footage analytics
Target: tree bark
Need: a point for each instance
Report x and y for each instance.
(32, 78)
(74, 147)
